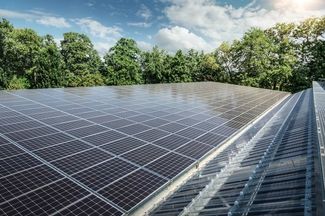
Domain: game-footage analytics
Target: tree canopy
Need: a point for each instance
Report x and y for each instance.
(287, 56)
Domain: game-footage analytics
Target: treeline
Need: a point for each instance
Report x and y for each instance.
(284, 57)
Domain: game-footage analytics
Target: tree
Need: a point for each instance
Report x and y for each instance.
(47, 71)
(20, 50)
(154, 66)
(310, 46)
(225, 57)
(180, 71)
(5, 73)
(123, 63)
(284, 57)
(210, 69)
(81, 60)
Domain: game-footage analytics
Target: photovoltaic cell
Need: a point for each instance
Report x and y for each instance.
(134, 129)
(170, 165)
(40, 116)
(211, 139)
(140, 118)
(104, 173)
(17, 163)
(172, 127)
(118, 123)
(103, 138)
(3, 141)
(123, 145)
(10, 120)
(66, 126)
(46, 200)
(91, 205)
(62, 150)
(151, 135)
(82, 160)
(86, 131)
(45, 141)
(19, 126)
(155, 122)
(25, 181)
(172, 141)
(103, 119)
(60, 119)
(133, 188)
(191, 133)
(194, 149)
(145, 154)
(31, 133)
(9, 150)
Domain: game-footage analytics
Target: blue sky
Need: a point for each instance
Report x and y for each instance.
(170, 24)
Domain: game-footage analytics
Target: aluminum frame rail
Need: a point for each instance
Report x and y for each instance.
(319, 107)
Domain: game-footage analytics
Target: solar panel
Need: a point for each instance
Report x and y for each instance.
(107, 149)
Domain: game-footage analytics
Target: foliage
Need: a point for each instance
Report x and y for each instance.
(154, 65)
(123, 64)
(288, 56)
(18, 83)
(47, 71)
(81, 60)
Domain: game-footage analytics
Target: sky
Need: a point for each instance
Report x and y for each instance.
(170, 24)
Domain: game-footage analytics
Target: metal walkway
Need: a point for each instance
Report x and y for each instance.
(268, 171)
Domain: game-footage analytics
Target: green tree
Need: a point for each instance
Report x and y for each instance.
(81, 60)
(210, 69)
(284, 57)
(21, 49)
(310, 47)
(5, 72)
(154, 66)
(225, 56)
(180, 71)
(47, 71)
(194, 60)
(123, 63)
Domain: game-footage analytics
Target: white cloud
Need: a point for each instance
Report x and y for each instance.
(58, 41)
(102, 47)
(140, 24)
(144, 12)
(58, 22)
(177, 37)
(16, 14)
(144, 45)
(97, 29)
(104, 37)
(37, 16)
(220, 23)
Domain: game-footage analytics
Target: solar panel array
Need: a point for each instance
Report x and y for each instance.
(104, 150)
